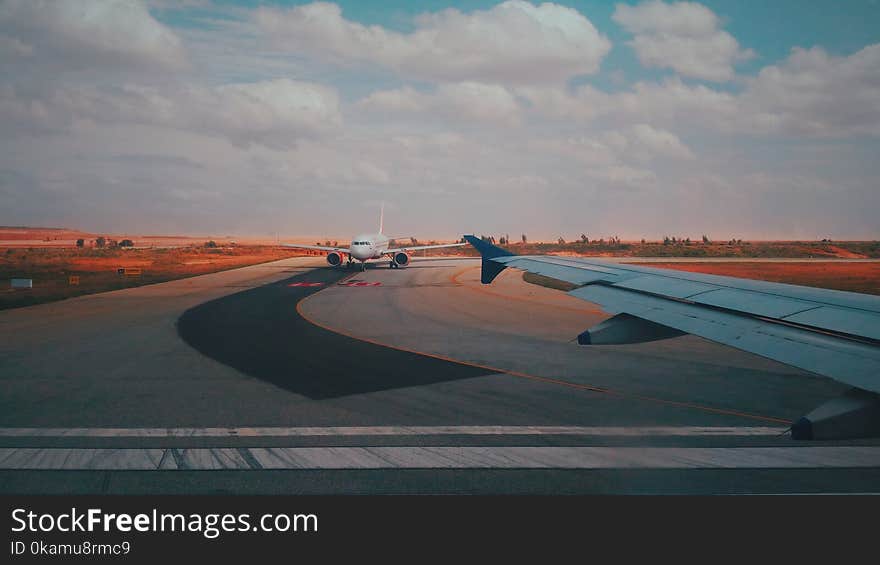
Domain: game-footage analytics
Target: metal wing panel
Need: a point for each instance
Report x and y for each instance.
(573, 263)
(824, 296)
(844, 320)
(576, 276)
(668, 287)
(837, 311)
(753, 302)
(559, 270)
(849, 362)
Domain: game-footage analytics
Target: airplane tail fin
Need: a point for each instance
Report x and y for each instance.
(490, 268)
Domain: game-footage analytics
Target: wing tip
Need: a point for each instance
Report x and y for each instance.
(490, 269)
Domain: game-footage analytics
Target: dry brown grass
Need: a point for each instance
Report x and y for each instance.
(50, 268)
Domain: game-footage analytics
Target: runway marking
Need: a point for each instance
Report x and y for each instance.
(359, 283)
(349, 431)
(408, 457)
(306, 284)
(591, 388)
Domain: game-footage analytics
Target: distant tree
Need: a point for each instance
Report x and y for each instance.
(101, 241)
(318, 243)
(211, 244)
(643, 241)
(413, 241)
(462, 240)
(335, 244)
(706, 239)
(584, 238)
(687, 241)
(80, 242)
(126, 243)
(501, 240)
(666, 240)
(560, 241)
(524, 240)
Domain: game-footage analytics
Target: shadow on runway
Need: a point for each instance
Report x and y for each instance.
(260, 333)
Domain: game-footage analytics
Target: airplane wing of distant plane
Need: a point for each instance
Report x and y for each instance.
(832, 333)
(419, 247)
(316, 247)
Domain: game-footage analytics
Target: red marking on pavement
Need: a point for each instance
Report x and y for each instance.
(306, 284)
(360, 284)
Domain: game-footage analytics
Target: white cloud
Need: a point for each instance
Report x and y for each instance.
(812, 93)
(808, 94)
(670, 103)
(86, 33)
(466, 101)
(642, 138)
(683, 36)
(513, 42)
(274, 113)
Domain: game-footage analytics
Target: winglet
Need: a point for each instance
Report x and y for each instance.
(490, 269)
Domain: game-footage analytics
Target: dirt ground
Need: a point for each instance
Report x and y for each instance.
(854, 277)
(50, 268)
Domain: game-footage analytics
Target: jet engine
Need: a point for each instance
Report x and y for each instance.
(401, 259)
(334, 258)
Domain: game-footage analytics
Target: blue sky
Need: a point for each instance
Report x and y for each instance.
(637, 119)
(770, 28)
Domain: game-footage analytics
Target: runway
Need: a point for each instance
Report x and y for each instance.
(292, 377)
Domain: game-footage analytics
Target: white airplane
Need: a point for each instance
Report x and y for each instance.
(370, 247)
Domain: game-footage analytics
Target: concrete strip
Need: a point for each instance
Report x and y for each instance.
(292, 458)
(348, 431)
(85, 459)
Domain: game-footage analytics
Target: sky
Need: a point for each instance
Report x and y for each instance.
(731, 118)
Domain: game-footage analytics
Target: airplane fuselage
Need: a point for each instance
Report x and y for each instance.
(368, 246)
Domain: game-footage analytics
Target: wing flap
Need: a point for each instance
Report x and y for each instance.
(843, 320)
(664, 286)
(755, 303)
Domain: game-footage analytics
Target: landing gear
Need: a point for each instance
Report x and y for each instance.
(392, 265)
(363, 267)
(349, 264)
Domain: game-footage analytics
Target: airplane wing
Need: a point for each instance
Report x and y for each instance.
(420, 247)
(316, 247)
(828, 332)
